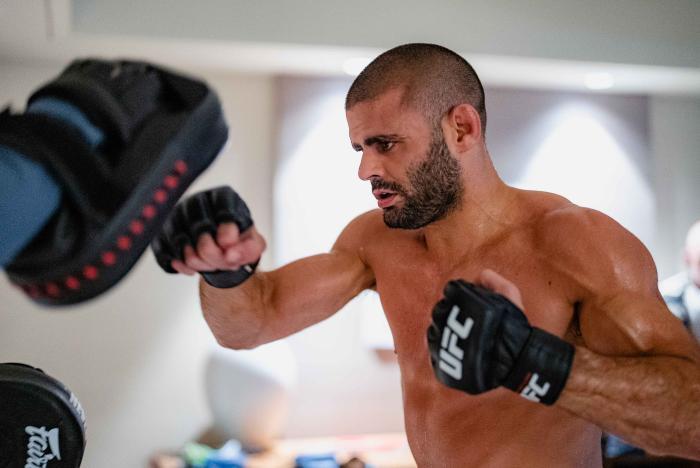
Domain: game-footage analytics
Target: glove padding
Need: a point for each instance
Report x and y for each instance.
(479, 340)
(199, 214)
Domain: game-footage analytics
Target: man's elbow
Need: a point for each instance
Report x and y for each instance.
(235, 324)
(229, 333)
(236, 343)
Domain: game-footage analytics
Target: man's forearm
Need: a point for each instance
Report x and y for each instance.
(235, 315)
(652, 402)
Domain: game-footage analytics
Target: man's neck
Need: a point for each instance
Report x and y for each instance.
(487, 208)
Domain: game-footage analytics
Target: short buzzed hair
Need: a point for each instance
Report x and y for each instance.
(434, 80)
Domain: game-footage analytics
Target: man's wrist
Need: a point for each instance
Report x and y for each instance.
(225, 279)
(542, 369)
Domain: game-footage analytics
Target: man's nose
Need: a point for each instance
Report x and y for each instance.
(370, 166)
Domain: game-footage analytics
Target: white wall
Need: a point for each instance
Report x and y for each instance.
(135, 356)
(656, 32)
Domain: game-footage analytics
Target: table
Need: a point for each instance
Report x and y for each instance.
(381, 450)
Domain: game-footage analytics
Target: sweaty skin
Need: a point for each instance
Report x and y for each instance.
(575, 272)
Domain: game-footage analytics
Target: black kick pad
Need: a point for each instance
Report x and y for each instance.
(161, 130)
(42, 424)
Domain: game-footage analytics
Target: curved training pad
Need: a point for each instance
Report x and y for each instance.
(124, 140)
(41, 422)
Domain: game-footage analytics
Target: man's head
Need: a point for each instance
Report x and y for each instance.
(692, 253)
(433, 80)
(396, 109)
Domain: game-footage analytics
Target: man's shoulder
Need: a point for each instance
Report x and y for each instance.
(368, 232)
(564, 221)
(563, 231)
(552, 217)
(546, 211)
(592, 244)
(369, 222)
(368, 225)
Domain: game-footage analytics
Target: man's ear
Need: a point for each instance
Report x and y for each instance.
(462, 128)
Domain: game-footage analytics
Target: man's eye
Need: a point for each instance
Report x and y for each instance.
(385, 146)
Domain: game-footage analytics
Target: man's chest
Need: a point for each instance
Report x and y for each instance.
(410, 283)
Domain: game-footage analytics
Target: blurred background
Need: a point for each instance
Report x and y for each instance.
(598, 101)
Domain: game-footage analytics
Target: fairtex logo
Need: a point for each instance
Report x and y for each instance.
(451, 354)
(39, 440)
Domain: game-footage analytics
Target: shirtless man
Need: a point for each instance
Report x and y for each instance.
(416, 114)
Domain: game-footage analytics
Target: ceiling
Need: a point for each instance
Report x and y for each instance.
(646, 47)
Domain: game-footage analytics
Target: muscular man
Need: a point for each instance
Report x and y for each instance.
(588, 287)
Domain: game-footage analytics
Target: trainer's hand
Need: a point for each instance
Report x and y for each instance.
(211, 233)
(479, 340)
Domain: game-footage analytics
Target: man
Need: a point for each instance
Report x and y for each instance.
(416, 114)
(682, 291)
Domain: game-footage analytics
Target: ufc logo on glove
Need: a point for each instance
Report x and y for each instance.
(534, 391)
(451, 354)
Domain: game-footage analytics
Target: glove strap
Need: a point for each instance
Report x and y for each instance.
(542, 368)
(225, 279)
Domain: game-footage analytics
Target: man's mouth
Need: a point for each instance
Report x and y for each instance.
(385, 198)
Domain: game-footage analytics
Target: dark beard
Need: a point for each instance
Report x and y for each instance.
(435, 189)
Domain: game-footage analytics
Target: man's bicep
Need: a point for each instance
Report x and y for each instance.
(630, 323)
(312, 289)
(307, 291)
(624, 313)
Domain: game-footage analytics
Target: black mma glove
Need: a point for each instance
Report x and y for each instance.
(198, 214)
(479, 340)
